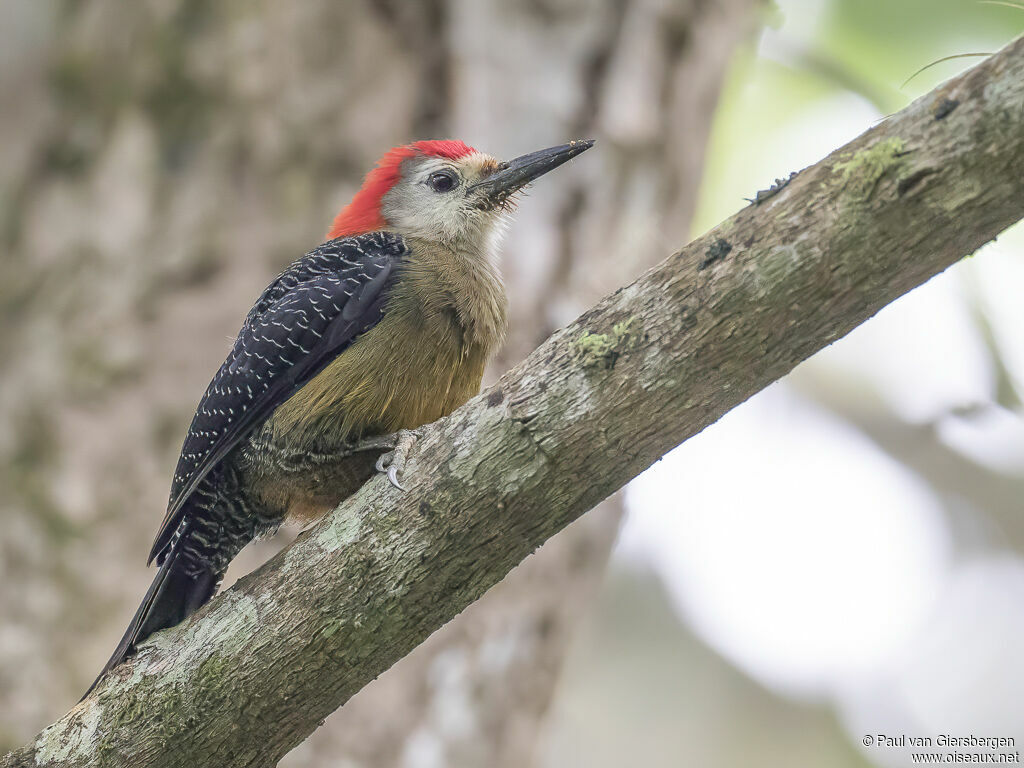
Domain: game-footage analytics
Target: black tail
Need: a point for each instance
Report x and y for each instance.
(173, 596)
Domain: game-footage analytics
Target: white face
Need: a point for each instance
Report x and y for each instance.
(432, 201)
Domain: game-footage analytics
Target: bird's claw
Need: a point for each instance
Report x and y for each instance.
(386, 465)
(393, 462)
(393, 477)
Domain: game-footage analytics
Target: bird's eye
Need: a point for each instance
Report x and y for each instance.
(442, 181)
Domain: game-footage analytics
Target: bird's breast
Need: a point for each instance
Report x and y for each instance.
(413, 367)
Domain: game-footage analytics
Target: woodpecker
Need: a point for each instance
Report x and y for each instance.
(385, 327)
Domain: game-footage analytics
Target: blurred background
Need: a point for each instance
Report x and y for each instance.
(839, 556)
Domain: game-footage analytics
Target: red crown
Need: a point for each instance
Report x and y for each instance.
(363, 213)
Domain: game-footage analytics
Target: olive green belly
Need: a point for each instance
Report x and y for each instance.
(392, 377)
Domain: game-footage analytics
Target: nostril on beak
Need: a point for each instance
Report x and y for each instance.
(513, 175)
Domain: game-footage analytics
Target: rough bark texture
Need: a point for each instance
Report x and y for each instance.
(160, 161)
(632, 75)
(596, 404)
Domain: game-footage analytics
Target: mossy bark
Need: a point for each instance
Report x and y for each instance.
(597, 403)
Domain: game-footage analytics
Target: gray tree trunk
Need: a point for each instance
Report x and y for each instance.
(160, 161)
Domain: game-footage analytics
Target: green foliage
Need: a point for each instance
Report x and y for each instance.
(888, 41)
(817, 67)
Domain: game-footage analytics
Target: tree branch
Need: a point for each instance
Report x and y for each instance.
(256, 671)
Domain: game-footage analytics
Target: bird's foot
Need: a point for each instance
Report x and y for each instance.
(375, 443)
(392, 463)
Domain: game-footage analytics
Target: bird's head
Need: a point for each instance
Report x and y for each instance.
(444, 191)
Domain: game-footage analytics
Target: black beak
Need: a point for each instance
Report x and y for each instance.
(516, 174)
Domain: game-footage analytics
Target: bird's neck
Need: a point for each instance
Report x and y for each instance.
(461, 277)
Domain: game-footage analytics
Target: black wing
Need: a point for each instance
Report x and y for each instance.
(303, 320)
